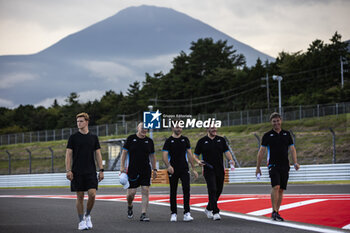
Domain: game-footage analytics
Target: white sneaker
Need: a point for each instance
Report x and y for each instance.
(88, 221)
(173, 218)
(82, 226)
(216, 217)
(209, 213)
(188, 217)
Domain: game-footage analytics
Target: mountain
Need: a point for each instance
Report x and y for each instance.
(108, 55)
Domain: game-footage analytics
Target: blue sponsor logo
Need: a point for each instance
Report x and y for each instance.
(151, 120)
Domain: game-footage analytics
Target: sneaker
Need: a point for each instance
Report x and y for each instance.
(130, 212)
(82, 226)
(144, 217)
(278, 217)
(173, 217)
(274, 216)
(88, 221)
(209, 213)
(188, 217)
(216, 217)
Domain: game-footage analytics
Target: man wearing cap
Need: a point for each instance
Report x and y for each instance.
(277, 142)
(81, 169)
(176, 155)
(135, 161)
(212, 147)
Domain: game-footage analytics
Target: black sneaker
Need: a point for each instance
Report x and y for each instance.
(144, 217)
(130, 212)
(274, 216)
(278, 217)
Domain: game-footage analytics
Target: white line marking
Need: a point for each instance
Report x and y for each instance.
(224, 201)
(264, 220)
(287, 206)
(346, 227)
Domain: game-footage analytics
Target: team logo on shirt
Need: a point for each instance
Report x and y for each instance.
(284, 134)
(219, 140)
(182, 140)
(151, 120)
(134, 140)
(205, 142)
(146, 141)
(172, 141)
(271, 135)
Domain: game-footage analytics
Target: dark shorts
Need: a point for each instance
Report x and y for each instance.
(279, 176)
(139, 180)
(84, 182)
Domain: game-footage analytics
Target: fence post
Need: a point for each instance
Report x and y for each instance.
(9, 161)
(261, 116)
(257, 138)
(126, 128)
(336, 109)
(116, 128)
(54, 134)
(228, 119)
(334, 151)
(8, 139)
(52, 165)
(30, 161)
(106, 129)
(300, 113)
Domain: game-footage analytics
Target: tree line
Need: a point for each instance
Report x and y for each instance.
(212, 77)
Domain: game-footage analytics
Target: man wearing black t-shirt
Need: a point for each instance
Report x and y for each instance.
(81, 168)
(176, 155)
(277, 142)
(212, 147)
(135, 162)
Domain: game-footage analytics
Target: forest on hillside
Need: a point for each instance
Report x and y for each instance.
(212, 77)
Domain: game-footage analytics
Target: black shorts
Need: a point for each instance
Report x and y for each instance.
(279, 176)
(137, 180)
(84, 182)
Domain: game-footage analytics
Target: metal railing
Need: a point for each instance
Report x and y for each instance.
(320, 172)
(324, 172)
(255, 116)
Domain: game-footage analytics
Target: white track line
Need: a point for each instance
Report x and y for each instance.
(294, 225)
(347, 227)
(287, 206)
(224, 201)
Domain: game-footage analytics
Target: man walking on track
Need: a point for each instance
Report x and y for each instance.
(136, 152)
(277, 142)
(212, 148)
(176, 155)
(81, 169)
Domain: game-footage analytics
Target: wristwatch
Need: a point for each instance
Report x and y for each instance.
(155, 170)
(102, 170)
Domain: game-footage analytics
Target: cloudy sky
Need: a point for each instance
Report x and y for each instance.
(271, 26)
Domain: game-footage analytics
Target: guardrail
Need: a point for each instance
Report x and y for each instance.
(323, 172)
(50, 179)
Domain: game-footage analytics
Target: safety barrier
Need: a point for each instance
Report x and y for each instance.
(59, 179)
(322, 172)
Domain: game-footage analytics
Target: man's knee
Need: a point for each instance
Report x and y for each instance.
(92, 193)
(80, 196)
(276, 188)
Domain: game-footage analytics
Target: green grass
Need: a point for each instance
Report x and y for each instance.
(313, 144)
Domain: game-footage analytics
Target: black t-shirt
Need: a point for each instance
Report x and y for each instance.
(212, 151)
(177, 152)
(139, 150)
(84, 147)
(277, 145)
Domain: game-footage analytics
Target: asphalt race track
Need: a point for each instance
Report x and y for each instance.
(52, 215)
